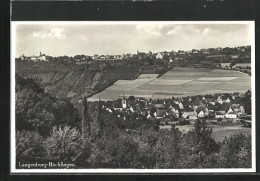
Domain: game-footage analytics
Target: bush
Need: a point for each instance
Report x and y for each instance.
(63, 143)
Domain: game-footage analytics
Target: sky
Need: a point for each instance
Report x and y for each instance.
(114, 39)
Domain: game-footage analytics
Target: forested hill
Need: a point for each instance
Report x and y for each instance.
(39, 111)
(64, 77)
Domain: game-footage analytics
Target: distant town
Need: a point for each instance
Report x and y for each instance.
(237, 58)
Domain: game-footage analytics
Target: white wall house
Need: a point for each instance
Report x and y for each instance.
(201, 114)
(220, 114)
(231, 115)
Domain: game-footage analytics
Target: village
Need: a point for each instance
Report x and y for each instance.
(223, 109)
(236, 58)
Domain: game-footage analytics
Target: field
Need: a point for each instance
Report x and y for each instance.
(219, 132)
(178, 82)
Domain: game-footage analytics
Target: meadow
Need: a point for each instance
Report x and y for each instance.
(178, 82)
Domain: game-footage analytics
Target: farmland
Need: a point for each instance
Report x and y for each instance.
(178, 82)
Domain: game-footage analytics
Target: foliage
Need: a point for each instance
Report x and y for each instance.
(39, 111)
(63, 143)
(29, 144)
(235, 152)
(197, 144)
(139, 148)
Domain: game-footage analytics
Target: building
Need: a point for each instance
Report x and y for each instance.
(189, 114)
(160, 114)
(120, 105)
(201, 114)
(231, 115)
(159, 56)
(225, 65)
(219, 100)
(242, 66)
(41, 57)
(220, 114)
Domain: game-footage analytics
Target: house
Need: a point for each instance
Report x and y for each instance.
(223, 99)
(180, 52)
(242, 109)
(95, 57)
(211, 108)
(225, 65)
(41, 57)
(212, 103)
(227, 100)
(236, 95)
(131, 109)
(193, 116)
(205, 51)
(195, 51)
(219, 100)
(159, 56)
(242, 65)
(180, 105)
(101, 57)
(226, 107)
(197, 104)
(159, 106)
(236, 107)
(189, 114)
(120, 105)
(201, 114)
(220, 114)
(211, 100)
(141, 99)
(230, 110)
(231, 115)
(109, 110)
(161, 114)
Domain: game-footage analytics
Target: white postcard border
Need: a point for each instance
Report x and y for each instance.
(13, 170)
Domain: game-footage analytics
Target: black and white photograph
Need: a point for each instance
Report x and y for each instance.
(133, 97)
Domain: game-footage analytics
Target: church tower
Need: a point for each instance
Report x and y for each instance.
(124, 104)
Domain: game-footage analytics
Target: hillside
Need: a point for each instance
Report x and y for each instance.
(65, 78)
(78, 76)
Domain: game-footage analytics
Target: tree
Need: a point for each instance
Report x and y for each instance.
(85, 122)
(197, 144)
(235, 151)
(29, 143)
(131, 98)
(39, 111)
(63, 143)
(100, 120)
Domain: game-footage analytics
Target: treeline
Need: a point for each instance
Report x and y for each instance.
(49, 129)
(136, 149)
